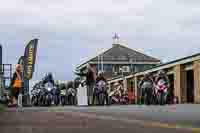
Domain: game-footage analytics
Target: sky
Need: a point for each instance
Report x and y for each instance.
(72, 31)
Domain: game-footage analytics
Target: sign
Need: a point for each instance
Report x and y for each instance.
(29, 58)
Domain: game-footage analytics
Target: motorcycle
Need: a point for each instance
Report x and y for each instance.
(124, 99)
(100, 92)
(71, 96)
(5, 99)
(161, 91)
(48, 94)
(35, 98)
(55, 96)
(35, 92)
(63, 97)
(42, 96)
(114, 96)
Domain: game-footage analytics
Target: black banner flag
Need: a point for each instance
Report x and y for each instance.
(29, 58)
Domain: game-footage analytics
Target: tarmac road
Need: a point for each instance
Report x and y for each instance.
(132, 118)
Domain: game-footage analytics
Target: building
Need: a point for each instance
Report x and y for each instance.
(120, 60)
(184, 76)
(1, 72)
(5, 74)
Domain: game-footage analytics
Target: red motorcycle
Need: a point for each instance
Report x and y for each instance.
(161, 91)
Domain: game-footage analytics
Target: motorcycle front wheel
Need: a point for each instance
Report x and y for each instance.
(63, 101)
(101, 99)
(48, 101)
(33, 101)
(56, 100)
(161, 98)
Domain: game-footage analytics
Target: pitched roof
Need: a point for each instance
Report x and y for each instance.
(119, 53)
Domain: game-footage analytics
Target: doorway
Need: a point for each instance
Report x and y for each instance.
(190, 86)
(171, 89)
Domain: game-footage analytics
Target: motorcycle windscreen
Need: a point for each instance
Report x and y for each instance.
(161, 82)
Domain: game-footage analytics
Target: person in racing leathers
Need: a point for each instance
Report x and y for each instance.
(146, 84)
(162, 75)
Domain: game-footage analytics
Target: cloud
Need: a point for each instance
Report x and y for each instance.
(71, 31)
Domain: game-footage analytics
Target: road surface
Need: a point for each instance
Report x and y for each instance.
(117, 119)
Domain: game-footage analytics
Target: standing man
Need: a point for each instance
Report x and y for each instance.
(16, 84)
(90, 82)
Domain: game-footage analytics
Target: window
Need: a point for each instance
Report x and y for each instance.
(126, 69)
(107, 68)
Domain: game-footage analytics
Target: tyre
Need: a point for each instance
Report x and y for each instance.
(101, 98)
(48, 101)
(109, 100)
(41, 100)
(56, 100)
(161, 98)
(147, 97)
(33, 100)
(146, 101)
(71, 100)
(36, 101)
(63, 101)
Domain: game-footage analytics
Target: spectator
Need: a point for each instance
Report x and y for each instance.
(16, 84)
(90, 82)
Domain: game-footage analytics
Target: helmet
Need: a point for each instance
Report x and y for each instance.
(146, 75)
(77, 79)
(161, 73)
(49, 74)
(100, 73)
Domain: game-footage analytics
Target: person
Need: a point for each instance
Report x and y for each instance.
(90, 82)
(48, 78)
(16, 84)
(147, 78)
(99, 78)
(146, 84)
(77, 82)
(162, 75)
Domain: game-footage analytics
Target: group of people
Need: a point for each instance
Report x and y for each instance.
(150, 78)
(148, 83)
(92, 78)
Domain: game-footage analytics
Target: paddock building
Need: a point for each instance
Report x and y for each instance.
(184, 76)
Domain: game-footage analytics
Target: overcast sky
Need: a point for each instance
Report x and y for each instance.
(71, 31)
